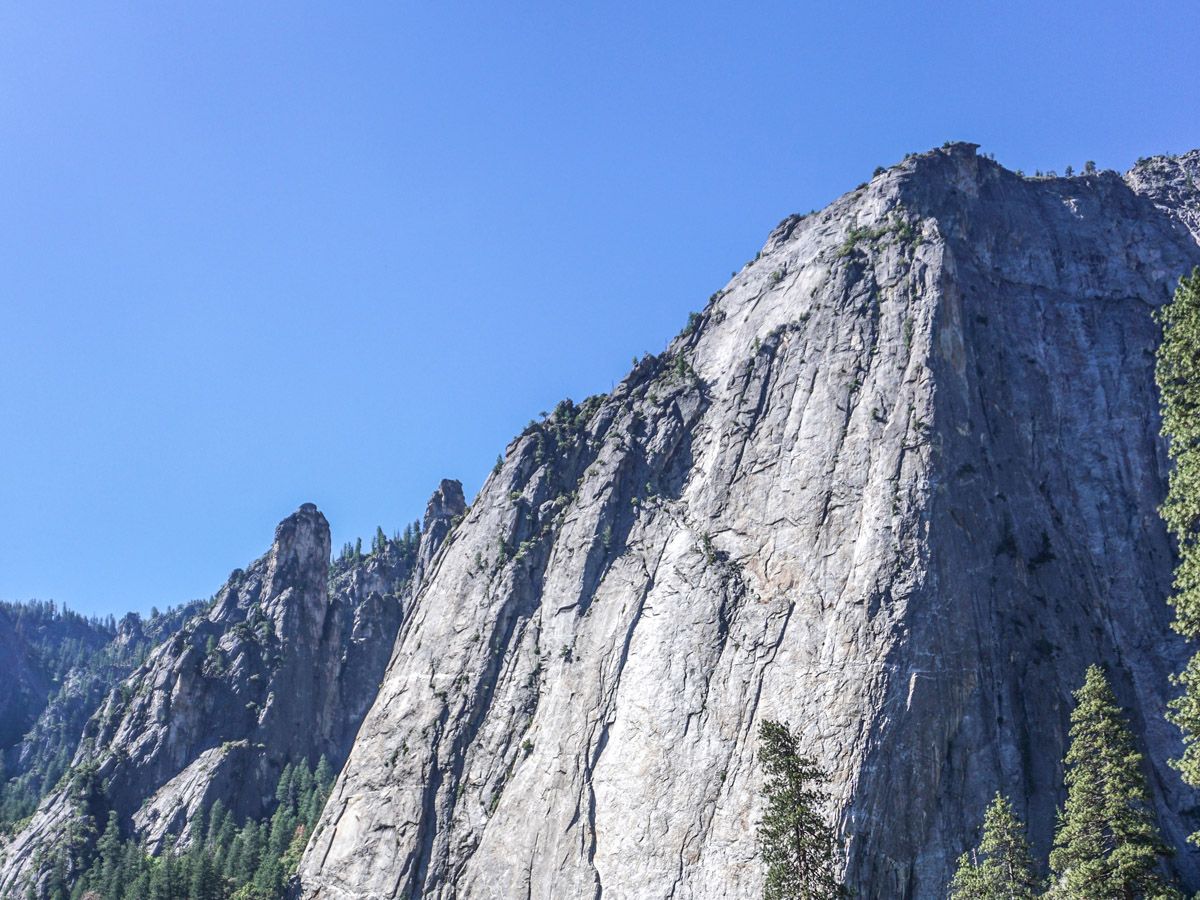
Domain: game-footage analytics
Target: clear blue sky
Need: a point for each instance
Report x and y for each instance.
(256, 254)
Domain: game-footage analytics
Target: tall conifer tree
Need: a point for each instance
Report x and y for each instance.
(797, 844)
(1002, 869)
(1178, 375)
(1107, 845)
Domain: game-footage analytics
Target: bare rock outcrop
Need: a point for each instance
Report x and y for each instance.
(1173, 183)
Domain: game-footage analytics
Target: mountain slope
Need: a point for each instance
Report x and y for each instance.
(39, 645)
(280, 669)
(90, 667)
(897, 484)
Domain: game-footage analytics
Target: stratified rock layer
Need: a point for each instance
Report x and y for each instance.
(897, 485)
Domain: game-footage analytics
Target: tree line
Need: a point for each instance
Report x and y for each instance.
(84, 661)
(222, 861)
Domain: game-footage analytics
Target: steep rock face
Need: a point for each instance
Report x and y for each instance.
(282, 667)
(1173, 183)
(444, 510)
(897, 485)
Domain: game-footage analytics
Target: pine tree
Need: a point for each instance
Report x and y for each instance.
(322, 785)
(205, 882)
(250, 856)
(302, 782)
(162, 879)
(283, 787)
(324, 774)
(223, 861)
(1005, 871)
(1177, 372)
(135, 873)
(107, 870)
(1107, 845)
(796, 843)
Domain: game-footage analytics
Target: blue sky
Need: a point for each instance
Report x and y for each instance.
(253, 255)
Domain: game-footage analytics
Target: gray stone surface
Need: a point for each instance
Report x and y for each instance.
(896, 485)
(1173, 183)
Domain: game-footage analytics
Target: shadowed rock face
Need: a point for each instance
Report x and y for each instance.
(896, 485)
(28, 684)
(109, 653)
(30, 670)
(282, 667)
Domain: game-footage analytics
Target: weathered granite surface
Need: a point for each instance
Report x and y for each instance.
(897, 485)
(1173, 183)
(106, 658)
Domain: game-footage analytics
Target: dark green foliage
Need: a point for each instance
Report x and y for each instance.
(223, 861)
(1002, 868)
(796, 843)
(400, 549)
(1107, 845)
(683, 369)
(901, 228)
(1178, 375)
(693, 322)
(60, 639)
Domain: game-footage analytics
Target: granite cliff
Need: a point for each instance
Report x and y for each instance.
(80, 661)
(896, 484)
